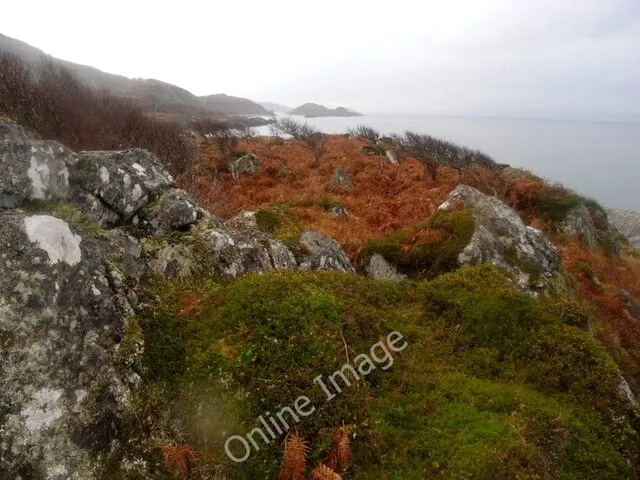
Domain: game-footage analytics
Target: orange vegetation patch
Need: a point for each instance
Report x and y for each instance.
(600, 278)
(384, 197)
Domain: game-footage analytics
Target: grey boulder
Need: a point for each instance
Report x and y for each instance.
(501, 238)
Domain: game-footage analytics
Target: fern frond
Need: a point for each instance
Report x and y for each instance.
(322, 472)
(294, 458)
(340, 452)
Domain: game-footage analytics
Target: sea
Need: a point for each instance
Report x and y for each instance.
(597, 159)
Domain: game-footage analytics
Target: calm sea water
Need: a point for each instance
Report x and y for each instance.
(598, 159)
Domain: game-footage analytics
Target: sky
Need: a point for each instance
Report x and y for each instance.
(543, 58)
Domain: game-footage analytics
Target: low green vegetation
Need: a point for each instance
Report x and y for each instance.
(493, 383)
(450, 233)
(63, 211)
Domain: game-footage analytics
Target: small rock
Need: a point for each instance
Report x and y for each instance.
(341, 178)
(323, 254)
(173, 211)
(244, 165)
(379, 269)
(339, 211)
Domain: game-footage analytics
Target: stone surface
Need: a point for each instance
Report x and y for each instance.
(379, 269)
(341, 178)
(31, 169)
(64, 308)
(323, 254)
(501, 238)
(627, 222)
(579, 222)
(244, 165)
(174, 210)
(113, 186)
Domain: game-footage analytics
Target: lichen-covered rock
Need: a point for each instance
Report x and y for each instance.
(218, 248)
(244, 165)
(627, 222)
(341, 178)
(323, 254)
(113, 186)
(380, 269)
(64, 310)
(32, 170)
(501, 238)
(174, 210)
(591, 225)
(579, 222)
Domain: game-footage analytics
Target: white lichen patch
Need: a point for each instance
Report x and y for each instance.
(137, 193)
(140, 169)
(104, 175)
(54, 237)
(39, 174)
(42, 410)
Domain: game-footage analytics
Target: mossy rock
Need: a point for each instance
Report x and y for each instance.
(452, 232)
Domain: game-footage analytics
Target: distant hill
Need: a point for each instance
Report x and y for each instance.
(276, 107)
(310, 110)
(233, 105)
(153, 96)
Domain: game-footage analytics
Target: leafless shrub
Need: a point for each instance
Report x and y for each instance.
(433, 152)
(371, 137)
(303, 134)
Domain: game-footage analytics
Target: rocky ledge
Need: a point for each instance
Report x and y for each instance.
(79, 233)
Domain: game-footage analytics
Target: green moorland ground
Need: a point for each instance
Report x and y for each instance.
(493, 383)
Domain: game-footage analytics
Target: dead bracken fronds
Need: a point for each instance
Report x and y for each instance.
(322, 472)
(340, 453)
(177, 459)
(294, 458)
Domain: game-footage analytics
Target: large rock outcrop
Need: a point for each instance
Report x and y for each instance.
(501, 238)
(628, 223)
(79, 232)
(65, 377)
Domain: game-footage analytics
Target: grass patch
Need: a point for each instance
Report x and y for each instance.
(493, 384)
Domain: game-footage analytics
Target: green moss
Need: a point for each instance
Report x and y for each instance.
(329, 203)
(425, 261)
(64, 211)
(493, 384)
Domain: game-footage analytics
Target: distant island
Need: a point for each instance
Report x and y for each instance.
(311, 110)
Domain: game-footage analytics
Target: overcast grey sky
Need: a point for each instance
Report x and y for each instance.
(566, 58)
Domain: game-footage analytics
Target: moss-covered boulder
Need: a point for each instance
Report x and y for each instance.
(501, 238)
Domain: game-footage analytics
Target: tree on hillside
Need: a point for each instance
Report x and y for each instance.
(303, 134)
(371, 137)
(51, 101)
(220, 133)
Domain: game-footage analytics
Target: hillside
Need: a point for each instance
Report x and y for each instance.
(464, 343)
(311, 306)
(311, 110)
(154, 96)
(276, 107)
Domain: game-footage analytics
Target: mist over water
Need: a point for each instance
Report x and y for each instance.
(600, 160)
